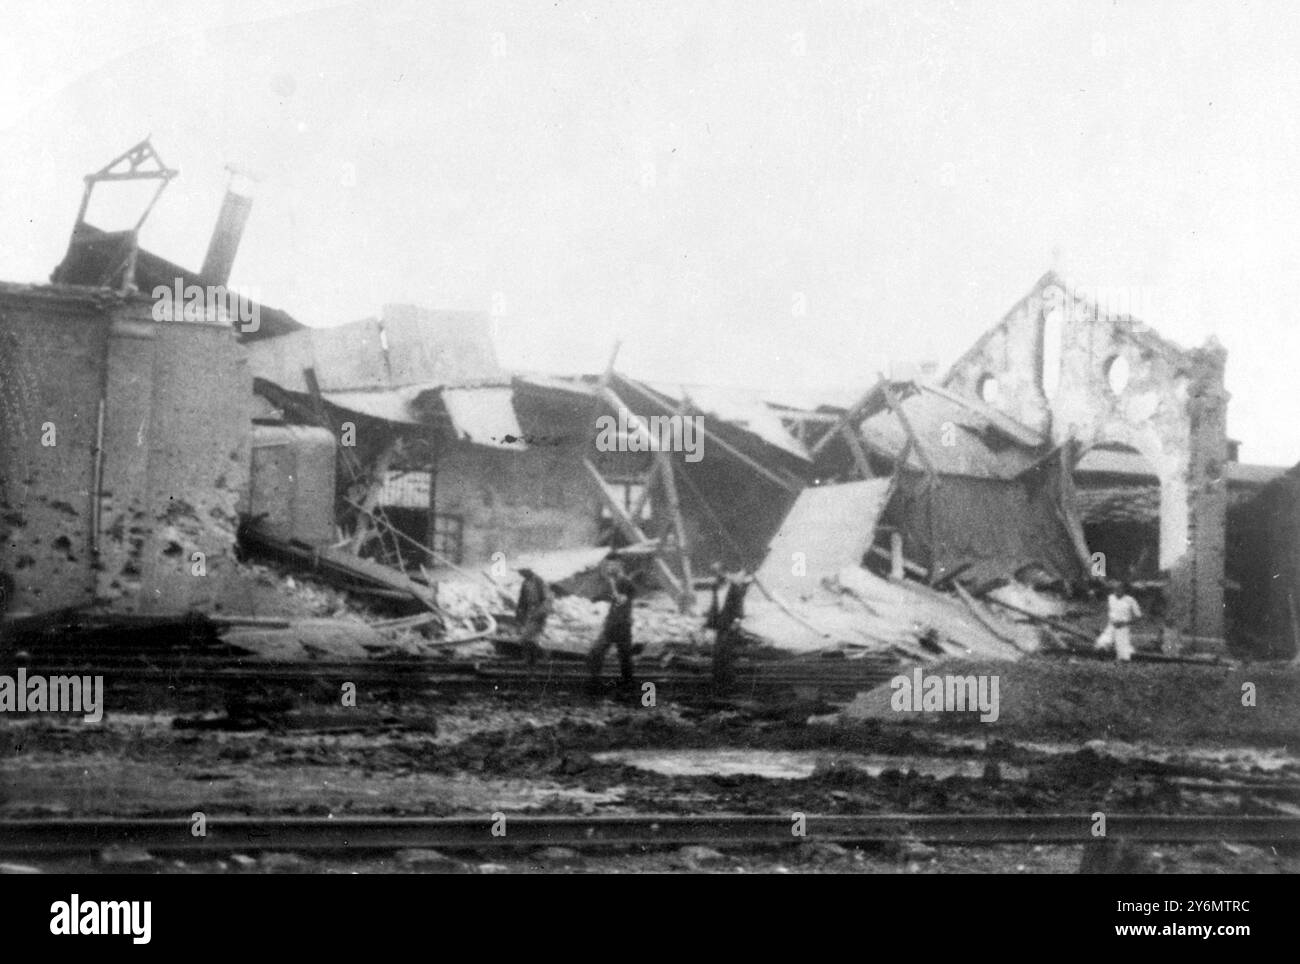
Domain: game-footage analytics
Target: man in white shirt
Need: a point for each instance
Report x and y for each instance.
(1121, 612)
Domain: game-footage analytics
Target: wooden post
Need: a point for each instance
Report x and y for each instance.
(639, 506)
(432, 531)
(629, 527)
(896, 407)
(686, 600)
(848, 418)
(859, 452)
(364, 531)
(612, 399)
(896, 555)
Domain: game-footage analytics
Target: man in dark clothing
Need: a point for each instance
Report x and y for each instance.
(531, 612)
(715, 603)
(729, 637)
(617, 630)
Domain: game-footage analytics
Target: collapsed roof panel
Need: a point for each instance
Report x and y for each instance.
(987, 528)
(813, 594)
(389, 405)
(828, 527)
(954, 437)
(743, 409)
(406, 346)
(484, 416)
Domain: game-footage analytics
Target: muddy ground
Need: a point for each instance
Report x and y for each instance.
(1071, 737)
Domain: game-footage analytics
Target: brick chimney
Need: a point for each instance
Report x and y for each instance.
(229, 229)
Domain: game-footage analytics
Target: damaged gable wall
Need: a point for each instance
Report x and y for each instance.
(176, 406)
(1171, 409)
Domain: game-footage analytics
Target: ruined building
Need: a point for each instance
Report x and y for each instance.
(1086, 380)
(124, 439)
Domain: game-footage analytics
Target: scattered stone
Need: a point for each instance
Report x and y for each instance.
(493, 869)
(557, 855)
(243, 861)
(696, 855)
(909, 848)
(1116, 856)
(19, 869)
(823, 850)
(575, 762)
(417, 857)
(278, 863)
(120, 855)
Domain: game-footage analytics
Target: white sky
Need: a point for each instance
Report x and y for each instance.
(745, 193)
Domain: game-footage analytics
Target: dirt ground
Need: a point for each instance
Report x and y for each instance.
(1070, 737)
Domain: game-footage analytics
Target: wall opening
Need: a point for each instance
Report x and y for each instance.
(1117, 373)
(1118, 493)
(989, 389)
(1049, 372)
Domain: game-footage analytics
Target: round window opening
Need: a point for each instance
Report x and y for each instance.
(989, 389)
(1117, 374)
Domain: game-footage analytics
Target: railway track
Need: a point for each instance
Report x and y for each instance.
(840, 676)
(497, 832)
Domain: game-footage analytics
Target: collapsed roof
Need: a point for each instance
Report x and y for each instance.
(975, 489)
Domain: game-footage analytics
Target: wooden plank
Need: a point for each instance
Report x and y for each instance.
(848, 418)
(953, 573)
(639, 507)
(364, 531)
(436, 556)
(908, 566)
(858, 451)
(896, 407)
(1046, 621)
(611, 397)
(981, 617)
(1295, 626)
(895, 555)
(1004, 423)
(1067, 508)
(686, 600)
(629, 528)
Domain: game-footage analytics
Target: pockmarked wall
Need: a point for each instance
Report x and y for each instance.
(124, 452)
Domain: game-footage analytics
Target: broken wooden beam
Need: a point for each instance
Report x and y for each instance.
(629, 528)
(896, 406)
(1045, 620)
(908, 566)
(614, 401)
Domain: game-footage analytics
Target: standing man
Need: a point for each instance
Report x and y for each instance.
(729, 639)
(1121, 612)
(531, 612)
(617, 630)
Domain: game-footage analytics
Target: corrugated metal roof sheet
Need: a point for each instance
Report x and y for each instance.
(484, 416)
(742, 409)
(956, 439)
(389, 404)
(830, 527)
(1134, 466)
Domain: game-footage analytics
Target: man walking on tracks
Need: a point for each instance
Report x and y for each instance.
(617, 630)
(531, 612)
(729, 637)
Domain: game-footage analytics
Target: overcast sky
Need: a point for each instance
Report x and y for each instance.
(748, 193)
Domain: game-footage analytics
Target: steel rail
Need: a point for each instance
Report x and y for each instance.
(435, 674)
(490, 832)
